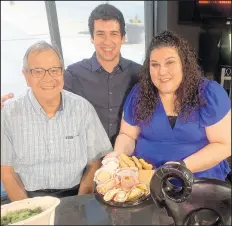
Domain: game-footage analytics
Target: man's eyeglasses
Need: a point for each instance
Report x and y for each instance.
(40, 72)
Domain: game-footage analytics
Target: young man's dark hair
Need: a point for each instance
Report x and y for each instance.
(106, 12)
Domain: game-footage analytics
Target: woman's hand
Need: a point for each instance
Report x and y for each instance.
(112, 154)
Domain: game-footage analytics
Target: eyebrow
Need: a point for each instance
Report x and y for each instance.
(44, 68)
(100, 31)
(165, 59)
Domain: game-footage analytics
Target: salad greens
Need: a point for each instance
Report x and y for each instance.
(19, 215)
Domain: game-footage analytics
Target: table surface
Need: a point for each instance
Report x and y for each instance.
(87, 210)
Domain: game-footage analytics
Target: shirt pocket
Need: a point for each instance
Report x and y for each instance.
(73, 148)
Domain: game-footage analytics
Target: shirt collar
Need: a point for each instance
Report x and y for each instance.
(123, 63)
(38, 107)
(95, 65)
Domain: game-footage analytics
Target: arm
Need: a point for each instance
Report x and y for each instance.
(125, 142)
(87, 185)
(219, 148)
(12, 184)
(98, 145)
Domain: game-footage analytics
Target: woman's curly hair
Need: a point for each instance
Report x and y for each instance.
(187, 95)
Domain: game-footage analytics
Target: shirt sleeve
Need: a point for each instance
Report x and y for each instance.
(7, 150)
(217, 104)
(128, 107)
(98, 143)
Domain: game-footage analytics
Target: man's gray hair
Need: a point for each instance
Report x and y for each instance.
(38, 47)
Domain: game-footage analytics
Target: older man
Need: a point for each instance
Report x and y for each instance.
(106, 72)
(52, 140)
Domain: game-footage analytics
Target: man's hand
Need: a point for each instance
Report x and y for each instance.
(87, 183)
(86, 190)
(5, 98)
(12, 183)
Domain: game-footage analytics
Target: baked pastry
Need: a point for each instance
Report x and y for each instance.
(102, 175)
(143, 187)
(121, 196)
(145, 176)
(127, 160)
(122, 164)
(134, 194)
(137, 163)
(145, 165)
(103, 188)
(111, 194)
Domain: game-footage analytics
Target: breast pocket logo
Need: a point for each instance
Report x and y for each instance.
(70, 137)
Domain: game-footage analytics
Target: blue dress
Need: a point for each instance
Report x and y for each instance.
(159, 143)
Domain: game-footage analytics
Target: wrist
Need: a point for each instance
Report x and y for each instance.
(117, 152)
(85, 190)
(182, 163)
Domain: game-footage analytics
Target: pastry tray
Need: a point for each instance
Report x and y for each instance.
(143, 198)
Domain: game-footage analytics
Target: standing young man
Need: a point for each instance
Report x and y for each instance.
(106, 78)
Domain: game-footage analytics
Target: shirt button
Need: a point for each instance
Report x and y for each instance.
(110, 93)
(110, 109)
(110, 124)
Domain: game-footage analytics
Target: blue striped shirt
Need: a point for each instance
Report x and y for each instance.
(51, 153)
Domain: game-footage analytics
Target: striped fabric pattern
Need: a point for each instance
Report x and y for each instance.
(51, 153)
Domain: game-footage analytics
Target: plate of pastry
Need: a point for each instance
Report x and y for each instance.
(123, 181)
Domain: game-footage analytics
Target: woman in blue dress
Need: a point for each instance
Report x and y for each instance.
(173, 114)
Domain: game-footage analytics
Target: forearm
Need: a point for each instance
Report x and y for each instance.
(124, 144)
(208, 157)
(14, 187)
(87, 184)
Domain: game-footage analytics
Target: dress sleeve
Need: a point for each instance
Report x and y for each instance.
(217, 104)
(128, 107)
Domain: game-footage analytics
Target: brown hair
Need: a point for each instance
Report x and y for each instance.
(188, 94)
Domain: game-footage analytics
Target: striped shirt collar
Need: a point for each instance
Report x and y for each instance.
(37, 105)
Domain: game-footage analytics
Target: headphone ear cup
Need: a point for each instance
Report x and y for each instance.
(161, 189)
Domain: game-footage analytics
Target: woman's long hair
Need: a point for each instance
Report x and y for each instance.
(188, 93)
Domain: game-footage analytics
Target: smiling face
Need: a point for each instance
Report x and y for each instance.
(166, 69)
(45, 87)
(107, 40)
